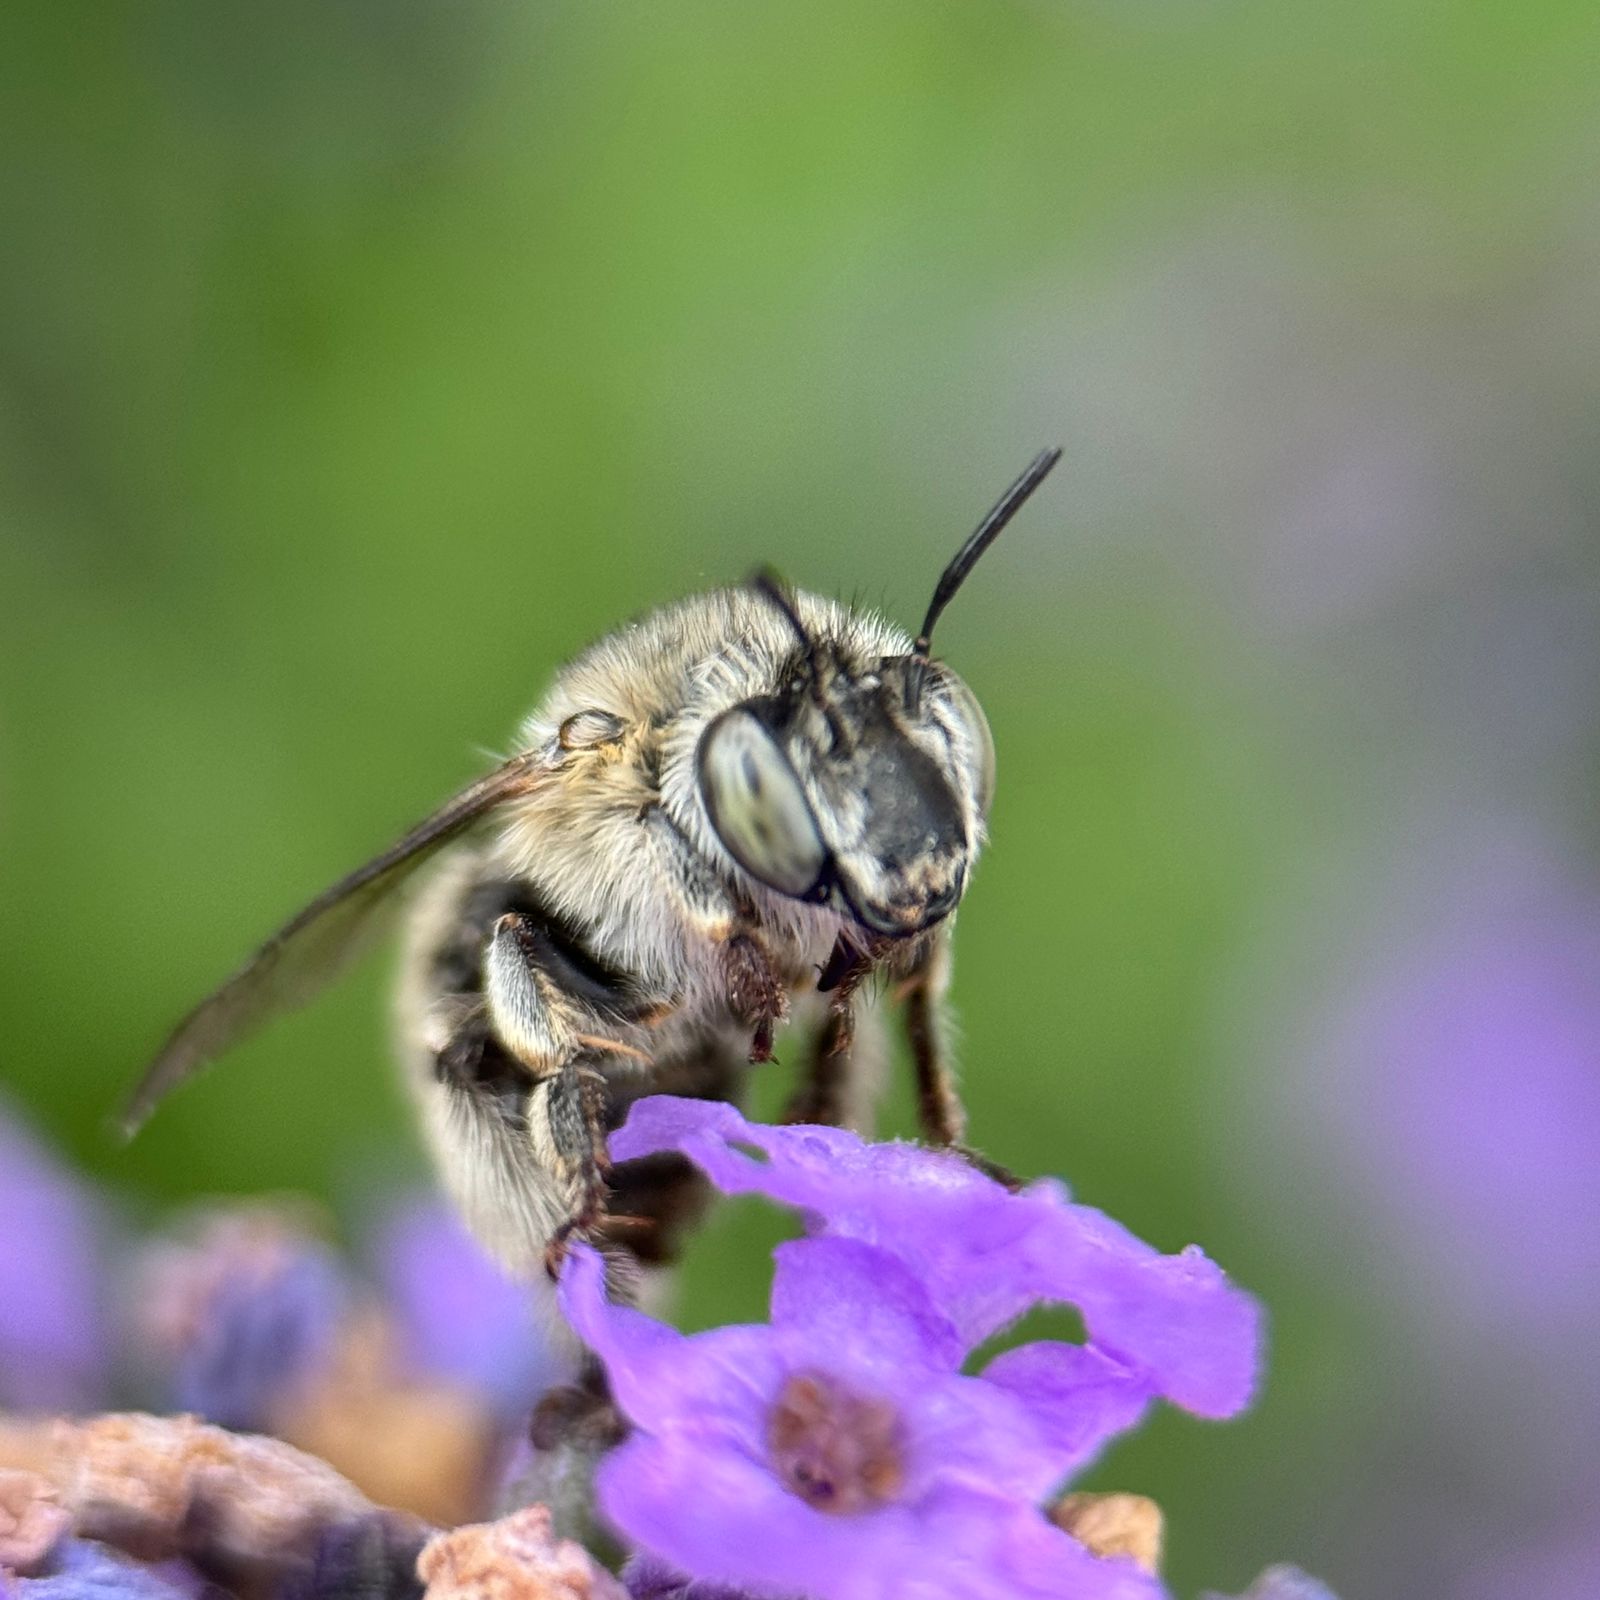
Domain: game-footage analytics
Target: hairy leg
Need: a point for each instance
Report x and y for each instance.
(939, 1108)
(823, 1094)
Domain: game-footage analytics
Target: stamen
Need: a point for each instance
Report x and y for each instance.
(837, 1451)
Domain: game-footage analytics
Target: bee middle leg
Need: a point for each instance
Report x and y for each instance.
(823, 1095)
(939, 1108)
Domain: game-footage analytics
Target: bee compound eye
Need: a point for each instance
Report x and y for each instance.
(756, 804)
(980, 742)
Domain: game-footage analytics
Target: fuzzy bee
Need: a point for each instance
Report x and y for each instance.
(739, 807)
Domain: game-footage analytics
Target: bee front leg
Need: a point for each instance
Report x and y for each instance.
(826, 1094)
(755, 992)
(566, 1126)
(563, 1113)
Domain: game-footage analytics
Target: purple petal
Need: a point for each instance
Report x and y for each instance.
(958, 1229)
(838, 1300)
(729, 1521)
(828, 1171)
(1036, 1560)
(1175, 1319)
(985, 1255)
(990, 1547)
(1283, 1583)
(716, 1386)
(1077, 1396)
(968, 1432)
(854, 1311)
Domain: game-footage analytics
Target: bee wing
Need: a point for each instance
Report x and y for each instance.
(313, 947)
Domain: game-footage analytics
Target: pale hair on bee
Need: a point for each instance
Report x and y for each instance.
(733, 811)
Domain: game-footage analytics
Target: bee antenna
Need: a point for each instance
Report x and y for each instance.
(984, 535)
(775, 592)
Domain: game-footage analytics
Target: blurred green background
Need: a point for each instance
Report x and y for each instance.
(360, 361)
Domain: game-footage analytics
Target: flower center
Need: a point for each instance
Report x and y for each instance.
(835, 1450)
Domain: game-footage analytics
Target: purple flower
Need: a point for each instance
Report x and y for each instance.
(648, 1579)
(839, 1452)
(239, 1313)
(1171, 1324)
(1465, 1075)
(1283, 1583)
(52, 1352)
(81, 1570)
(367, 1558)
(461, 1316)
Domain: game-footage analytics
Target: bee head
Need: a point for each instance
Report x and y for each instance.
(860, 784)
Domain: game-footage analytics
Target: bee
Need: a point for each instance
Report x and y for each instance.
(736, 809)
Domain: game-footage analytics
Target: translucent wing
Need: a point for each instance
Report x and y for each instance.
(312, 948)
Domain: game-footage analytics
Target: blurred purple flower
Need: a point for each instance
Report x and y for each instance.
(1564, 1566)
(1169, 1325)
(81, 1570)
(461, 1316)
(1467, 1075)
(645, 1578)
(1445, 1088)
(368, 1558)
(1282, 1583)
(240, 1312)
(838, 1452)
(52, 1341)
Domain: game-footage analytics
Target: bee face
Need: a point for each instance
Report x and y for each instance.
(860, 785)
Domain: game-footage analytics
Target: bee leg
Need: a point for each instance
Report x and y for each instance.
(564, 1110)
(566, 1124)
(523, 1000)
(755, 992)
(654, 1199)
(572, 1429)
(580, 1412)
(939, 1108)
(822, 1095)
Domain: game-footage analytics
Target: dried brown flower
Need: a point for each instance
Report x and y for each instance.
(32, 1520)
(516, 1558)
(1114, 1525)
(159, 1487)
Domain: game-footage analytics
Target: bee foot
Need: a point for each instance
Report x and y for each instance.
(581, 1228)
(990, 1169)
(574, 1415)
